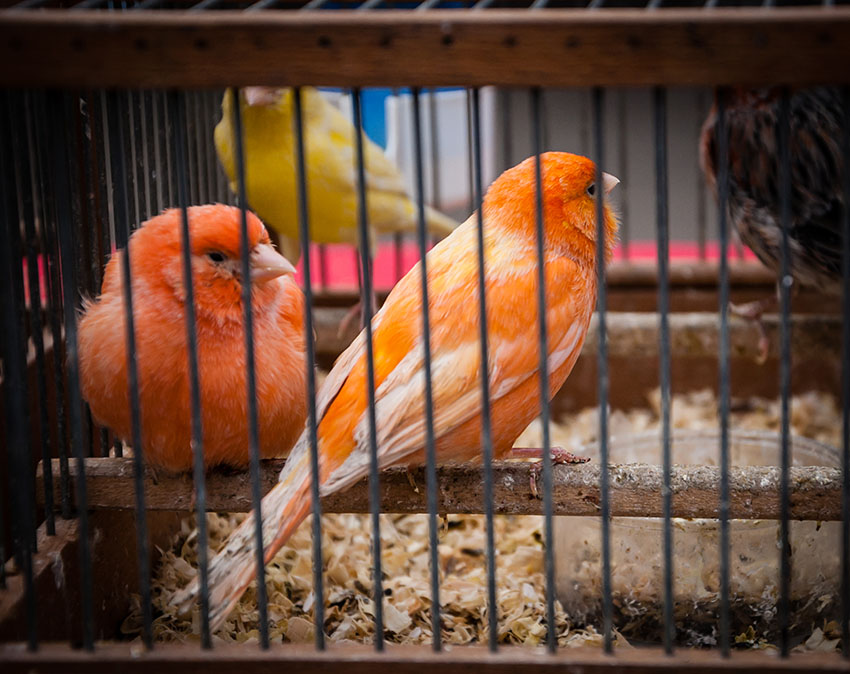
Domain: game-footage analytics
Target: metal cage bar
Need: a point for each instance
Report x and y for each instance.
(57, 105)
(785, 281)
(251, 380)
(845, 383)
(14, 383)
(543, 353)
(663, 254)
(122, 231)
(312, 421)
(603, 386)
(430, 451)
(176, 107)
(366, 300)
(723, 366)
(486, 427)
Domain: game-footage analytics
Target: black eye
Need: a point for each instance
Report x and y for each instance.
(591, 189)
(216, 257)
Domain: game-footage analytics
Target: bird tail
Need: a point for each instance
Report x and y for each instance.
(234, 567)
(439, 225)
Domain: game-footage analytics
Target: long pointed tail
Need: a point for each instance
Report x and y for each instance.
(234, 567)
(438, 224)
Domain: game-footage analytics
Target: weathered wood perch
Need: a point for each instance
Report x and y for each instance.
(637, 334)
(635, 490)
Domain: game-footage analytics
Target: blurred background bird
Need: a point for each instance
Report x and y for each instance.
(570, 193)
(270, 180)
(162, 355)
(754, 204)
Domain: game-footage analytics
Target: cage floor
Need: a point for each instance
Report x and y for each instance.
(520, 579)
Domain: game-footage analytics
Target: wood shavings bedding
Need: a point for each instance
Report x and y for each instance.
(407, 602)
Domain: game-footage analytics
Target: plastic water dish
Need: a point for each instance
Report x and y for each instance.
(637, 562)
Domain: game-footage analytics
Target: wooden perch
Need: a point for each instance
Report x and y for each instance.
(637, 334)
(635, 490)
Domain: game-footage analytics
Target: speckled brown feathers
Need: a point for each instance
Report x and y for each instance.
(817, 202)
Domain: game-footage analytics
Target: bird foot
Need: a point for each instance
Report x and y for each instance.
(559, 456)
(354, 312)
(345, 324)
(753, 312)
(412, 480)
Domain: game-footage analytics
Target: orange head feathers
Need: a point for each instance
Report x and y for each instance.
(569, 202)
(160, 325)
(214, 235)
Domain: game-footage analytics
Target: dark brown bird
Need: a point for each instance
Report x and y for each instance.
(754, 205)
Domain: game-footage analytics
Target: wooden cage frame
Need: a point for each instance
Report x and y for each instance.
(552, 47)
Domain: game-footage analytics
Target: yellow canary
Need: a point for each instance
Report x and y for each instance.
(270, 170)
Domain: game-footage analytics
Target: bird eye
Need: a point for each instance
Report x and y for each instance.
(591, 189)
(216, 256)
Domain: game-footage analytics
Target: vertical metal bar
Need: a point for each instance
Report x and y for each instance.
(785, 282)
(122, 239)
(486, 429)
(57, 104)
(507, 128)
(323, 265)
(14, 379)
(623, 140)
(702, 224)
(36, 327)
(200, 149)
(168, 122)
(21, 458)
(366, 293)
(184, 120)
(398, 237)
(177, 113)
(661, 200)
(51, 249)
(434, 149)
(304, 235)
(209, 130)
(134, 166)
(543, 352)
(251, 376)
(107, 174)
(398, 256)
(89, 138)
(722, 149)
(145, 119)
(845, 382)
(430, 450)
(602, 365)
(161, 172)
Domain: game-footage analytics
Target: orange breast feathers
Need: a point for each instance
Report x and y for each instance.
(161, 339)
(512, 321)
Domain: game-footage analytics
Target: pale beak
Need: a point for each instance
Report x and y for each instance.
(267, 263)
(609, 182)
(261, 95)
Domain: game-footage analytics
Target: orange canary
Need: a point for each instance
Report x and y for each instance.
(511, 286)
(161, 341)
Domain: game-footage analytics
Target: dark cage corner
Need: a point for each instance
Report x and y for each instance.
(494, 334)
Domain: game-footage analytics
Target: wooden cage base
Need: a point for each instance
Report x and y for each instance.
(354, 659)
(635, 490)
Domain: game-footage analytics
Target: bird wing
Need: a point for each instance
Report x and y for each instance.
(456, 355)
(331, 135)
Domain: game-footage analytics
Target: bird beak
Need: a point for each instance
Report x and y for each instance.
(609, 182)
(267, 263)
(261, 96)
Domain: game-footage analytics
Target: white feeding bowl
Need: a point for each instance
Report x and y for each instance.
(637, 561)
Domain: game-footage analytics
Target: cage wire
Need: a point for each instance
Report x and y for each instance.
(82, 170)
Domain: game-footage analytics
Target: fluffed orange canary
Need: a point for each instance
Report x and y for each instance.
(161, 339)
(570, 193)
